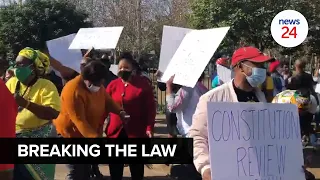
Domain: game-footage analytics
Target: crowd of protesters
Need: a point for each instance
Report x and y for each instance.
(36, 102)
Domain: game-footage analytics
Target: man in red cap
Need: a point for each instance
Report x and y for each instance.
(249, 66)
(217, 81)
(278, 81)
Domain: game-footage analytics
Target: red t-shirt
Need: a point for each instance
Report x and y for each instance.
(8, 111)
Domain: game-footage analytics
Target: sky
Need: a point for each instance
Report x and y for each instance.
(7, 2)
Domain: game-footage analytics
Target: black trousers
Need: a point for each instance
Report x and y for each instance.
(136, 170)
(172, 123)
(116, 170)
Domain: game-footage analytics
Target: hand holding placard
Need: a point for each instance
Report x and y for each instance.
(206, 175)
(89, 52)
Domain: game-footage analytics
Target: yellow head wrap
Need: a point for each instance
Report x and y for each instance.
(40, 60)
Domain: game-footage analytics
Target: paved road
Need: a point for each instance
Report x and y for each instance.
(161, 172)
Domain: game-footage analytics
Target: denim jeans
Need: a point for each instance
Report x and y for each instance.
(79, 171)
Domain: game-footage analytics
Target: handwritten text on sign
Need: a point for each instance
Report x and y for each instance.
(193, 55)
(171, 40)
(224, 73)
(254, 141)
(99, 38)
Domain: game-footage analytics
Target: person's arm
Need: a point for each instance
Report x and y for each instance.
(65, 71)
(111, 105)
(106, 114)
(316, 75)
(50, 103)
(75, 106)
(176, 102)
(199, 133)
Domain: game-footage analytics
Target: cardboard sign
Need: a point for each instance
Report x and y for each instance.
(58, 49)
(98, 38)
(224, 73)
(193, 55)
(114, 69)
(250, 141)
(317, 88)
(171, 40)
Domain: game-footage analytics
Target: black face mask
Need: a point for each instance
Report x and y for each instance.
(125, 75)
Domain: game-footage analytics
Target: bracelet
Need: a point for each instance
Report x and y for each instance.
(28, 104)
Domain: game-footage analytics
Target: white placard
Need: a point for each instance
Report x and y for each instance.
(98, 38)
(254, 141)
(193, 55)
(171, 40)
(114, 69)
(317, 89)
(224, 73)
(58, 49)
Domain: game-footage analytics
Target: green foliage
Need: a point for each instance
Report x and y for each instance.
(37, 21)
(250, 21)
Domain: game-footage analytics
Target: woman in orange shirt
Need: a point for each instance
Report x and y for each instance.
(83, 103)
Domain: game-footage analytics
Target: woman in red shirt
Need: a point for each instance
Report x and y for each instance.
(8, 111)
(135, 94)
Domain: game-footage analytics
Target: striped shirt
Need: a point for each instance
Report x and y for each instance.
(184, 104)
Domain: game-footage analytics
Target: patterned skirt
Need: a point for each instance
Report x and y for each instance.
(37, 171)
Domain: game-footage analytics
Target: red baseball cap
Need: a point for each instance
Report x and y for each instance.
(222, 61)
(249, 54)
(273, 66)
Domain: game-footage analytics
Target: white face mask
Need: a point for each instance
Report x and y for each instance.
(93, 88)
(319, 71)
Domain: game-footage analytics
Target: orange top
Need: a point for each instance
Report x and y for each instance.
(82, 110)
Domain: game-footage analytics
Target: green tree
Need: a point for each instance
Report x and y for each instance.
(250, 21)
(34, 22)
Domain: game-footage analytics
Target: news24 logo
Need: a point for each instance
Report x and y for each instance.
(289, 28)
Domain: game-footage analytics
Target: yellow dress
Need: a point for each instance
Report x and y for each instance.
(43, 92)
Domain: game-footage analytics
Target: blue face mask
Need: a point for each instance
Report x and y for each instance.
(258, 76)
